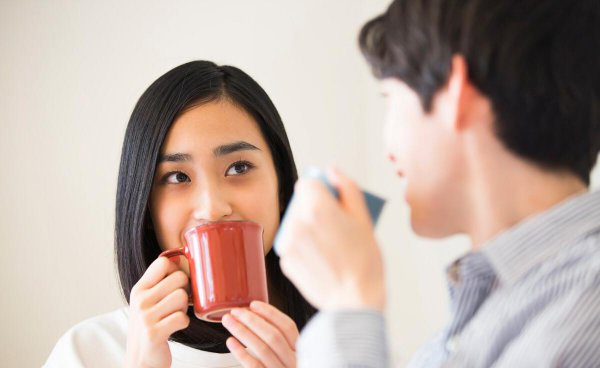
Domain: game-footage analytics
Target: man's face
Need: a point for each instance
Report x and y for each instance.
(425, 150)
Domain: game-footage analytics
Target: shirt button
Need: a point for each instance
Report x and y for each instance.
(452, 344)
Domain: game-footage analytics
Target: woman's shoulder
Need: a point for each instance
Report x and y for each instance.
(101, 342)
(95, 342)
(110, 326)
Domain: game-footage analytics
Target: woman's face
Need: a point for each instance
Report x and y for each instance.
(214, 165)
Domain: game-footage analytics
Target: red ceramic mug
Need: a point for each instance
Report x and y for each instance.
(227, 266)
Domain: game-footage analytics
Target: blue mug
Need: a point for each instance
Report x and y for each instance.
(374, 203)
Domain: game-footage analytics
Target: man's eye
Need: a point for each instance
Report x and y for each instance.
(176, 178)
(239, 168)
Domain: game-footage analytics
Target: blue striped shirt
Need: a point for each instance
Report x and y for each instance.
(529, 298)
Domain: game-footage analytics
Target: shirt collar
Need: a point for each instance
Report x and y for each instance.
(517, 250)
(473, 265)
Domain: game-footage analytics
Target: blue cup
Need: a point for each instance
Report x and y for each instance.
(374, 203)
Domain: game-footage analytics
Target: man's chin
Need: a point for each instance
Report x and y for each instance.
(424, 226)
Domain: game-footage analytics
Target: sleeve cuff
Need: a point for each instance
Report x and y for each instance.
(351, 338)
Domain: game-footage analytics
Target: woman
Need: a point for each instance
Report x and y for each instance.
(204, 143)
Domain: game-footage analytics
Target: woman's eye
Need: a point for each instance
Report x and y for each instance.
(176, 178)
(239, 168)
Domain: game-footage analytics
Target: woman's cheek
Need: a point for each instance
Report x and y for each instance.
(172, 226)
(260, 203)
(269, 235)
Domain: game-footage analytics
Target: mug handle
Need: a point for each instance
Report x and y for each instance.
(175, 253)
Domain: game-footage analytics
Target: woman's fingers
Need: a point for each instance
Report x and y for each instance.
(159, 299)
(240, 353)
(270, 334)
(158, 270)
(176, 280)
(170, 324)
(261, 349)
(158, 306)
(175, 301)
(280, 320)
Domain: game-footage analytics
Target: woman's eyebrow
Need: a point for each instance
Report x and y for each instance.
(221, 150)
(228, 148)
(174, 157)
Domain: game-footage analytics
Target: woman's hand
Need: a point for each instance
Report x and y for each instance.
(157, 308)
(269, 334)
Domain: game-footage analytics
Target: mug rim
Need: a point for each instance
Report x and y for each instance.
(218, 224)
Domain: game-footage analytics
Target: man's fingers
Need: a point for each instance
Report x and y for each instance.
(352, 199)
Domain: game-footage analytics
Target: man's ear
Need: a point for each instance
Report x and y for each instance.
(454, 99)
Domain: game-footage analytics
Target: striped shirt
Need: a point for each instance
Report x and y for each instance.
(529, 298)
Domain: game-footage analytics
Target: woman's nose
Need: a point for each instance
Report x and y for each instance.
(211, 205)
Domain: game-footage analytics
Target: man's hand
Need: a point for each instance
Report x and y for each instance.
(327, 246)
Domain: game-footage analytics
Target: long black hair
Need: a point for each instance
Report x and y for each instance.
(136, 246)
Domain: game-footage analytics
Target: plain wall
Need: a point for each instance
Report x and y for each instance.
(70, 74)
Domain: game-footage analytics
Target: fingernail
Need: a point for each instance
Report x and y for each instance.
(333, 174)
(226, 319)
(230, 343)
(255, 304)
(236, 312)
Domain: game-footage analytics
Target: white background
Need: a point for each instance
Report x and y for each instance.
(70, 74)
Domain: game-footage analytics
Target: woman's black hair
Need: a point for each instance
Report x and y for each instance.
(136, 246)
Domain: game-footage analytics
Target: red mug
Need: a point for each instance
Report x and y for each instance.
(227, 267)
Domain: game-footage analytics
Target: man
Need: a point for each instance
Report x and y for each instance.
(493, 119)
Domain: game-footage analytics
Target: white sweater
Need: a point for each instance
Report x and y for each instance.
(100, 342)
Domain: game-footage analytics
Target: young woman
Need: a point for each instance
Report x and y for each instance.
(203, 144)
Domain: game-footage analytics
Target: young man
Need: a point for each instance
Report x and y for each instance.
(493, 119)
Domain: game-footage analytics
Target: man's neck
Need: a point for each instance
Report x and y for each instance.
(504, 198)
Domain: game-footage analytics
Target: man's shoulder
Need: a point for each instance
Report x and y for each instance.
(577, 264)
(582, 260)
(566, 332)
